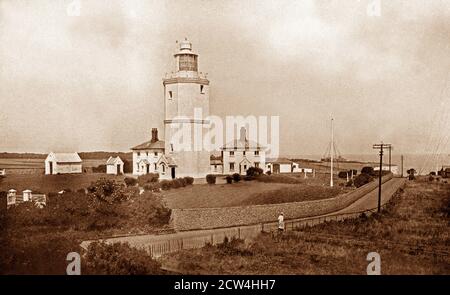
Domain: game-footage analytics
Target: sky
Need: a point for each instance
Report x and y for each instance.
(87, 75)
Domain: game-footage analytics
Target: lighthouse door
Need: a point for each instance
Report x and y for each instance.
(173, 172)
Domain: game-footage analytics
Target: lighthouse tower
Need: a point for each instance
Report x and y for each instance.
(186, 99)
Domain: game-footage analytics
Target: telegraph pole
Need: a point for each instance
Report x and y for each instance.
(332, 153)
(380, 147)
(402, 166)
(390, 148)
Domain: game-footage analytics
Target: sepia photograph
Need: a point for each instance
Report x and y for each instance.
(206, 138)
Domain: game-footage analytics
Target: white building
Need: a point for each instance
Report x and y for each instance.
(241, 154)
(280, 165)
(63, 163)
(394, 168)
(147, 156)
(2, 172)
(216, 164)
(114, 165)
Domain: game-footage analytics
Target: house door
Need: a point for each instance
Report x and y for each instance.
(173, 172)
(118, 169)
(148, 168)
(51, 167)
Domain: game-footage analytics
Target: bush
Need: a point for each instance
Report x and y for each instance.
(254, 171)
(367, 170)
(148, 178)
(166, 185)
(130, 181)
(109, 191)
(342, 174)
(362, 179)
(152, 187)
(229, 179)
(236, 177)
(269, 172)
(189, 180)
(119, 259)
(211, 179)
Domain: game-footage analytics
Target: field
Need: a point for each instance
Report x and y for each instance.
(52, 183)
(16, 166)
(411, 235)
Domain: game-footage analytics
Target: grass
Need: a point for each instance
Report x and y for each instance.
(38, 240)
(411, 235)
(52, 183)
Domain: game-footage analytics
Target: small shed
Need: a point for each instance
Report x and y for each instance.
(279, 165)
(114, 165)
(63, 163)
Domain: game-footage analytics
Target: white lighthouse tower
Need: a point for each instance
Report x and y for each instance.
(186, 95)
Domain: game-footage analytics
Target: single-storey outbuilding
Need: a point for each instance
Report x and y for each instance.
(114, 165)
(63, 163)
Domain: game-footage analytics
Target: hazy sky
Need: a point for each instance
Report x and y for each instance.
(94, 81)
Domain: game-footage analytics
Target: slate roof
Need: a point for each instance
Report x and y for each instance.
(242, 144)
(66, 157)
(279, 161)
(114, 161)
(149, 145)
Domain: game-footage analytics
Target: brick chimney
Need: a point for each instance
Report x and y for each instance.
(154, 135)
(243, 135)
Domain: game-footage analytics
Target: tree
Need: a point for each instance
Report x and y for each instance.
(367, 170)
(107, 191)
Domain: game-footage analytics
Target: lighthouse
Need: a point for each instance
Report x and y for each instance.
(186, 104)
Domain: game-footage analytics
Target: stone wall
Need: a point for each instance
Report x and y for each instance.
(208, 218)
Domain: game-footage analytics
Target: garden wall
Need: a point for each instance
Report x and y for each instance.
(208, 218)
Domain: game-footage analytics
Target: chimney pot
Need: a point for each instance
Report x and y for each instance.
(154, 135)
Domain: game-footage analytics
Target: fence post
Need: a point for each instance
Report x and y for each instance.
(262, 227)
(239, 233)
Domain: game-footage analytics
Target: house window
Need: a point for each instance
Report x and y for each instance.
(231, 153)
(171, 147)
(256, 153)
(156, 154)
(138, 154)
(243, 153)
(231, 166)
(137, 167)
(202, 89)
(257, 164)
(146, 154)
(163, 168)
(170, 95)
(156, 167)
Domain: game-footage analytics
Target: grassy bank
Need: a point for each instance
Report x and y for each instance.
(411, 236)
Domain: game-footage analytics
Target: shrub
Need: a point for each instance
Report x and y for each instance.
(130, 181)
(269, 172)
(342, 174)
(248, 178)
(152, 187)
(119, 259)
(177, 183)
(367, 170)
(166, 185)
(229, 179)
(211, 179)
(81, 191)
(189, 180)
(254, 171)
(362, 179)
(236, 177)
(148, 178)
(109, 191)
(349, 183)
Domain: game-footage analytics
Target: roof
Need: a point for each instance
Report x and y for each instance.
(114, 161)
(279, 161)
(242, 144)
(149, 145)
(65, 157)
(168, 160)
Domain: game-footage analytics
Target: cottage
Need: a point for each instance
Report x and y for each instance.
(279, 165)
(63, 163)
(241, 154)
(114, 165)
(216, 164)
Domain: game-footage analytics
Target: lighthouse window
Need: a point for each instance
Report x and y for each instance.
(170, 94)
(202, 89)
